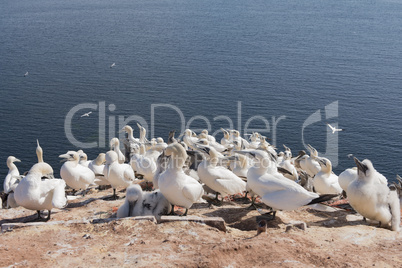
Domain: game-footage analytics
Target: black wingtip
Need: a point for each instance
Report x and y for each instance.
(323, 198)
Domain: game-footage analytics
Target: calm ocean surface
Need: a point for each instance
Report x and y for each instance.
(234, 59)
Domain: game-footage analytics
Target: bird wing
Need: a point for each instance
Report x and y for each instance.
(287, 198)
(230, 181)
(192, 191)
(129, 173)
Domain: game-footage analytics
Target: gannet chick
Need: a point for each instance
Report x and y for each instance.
(218, 178)
(36, 194)
(115, 146)
(345, 178)
(373, 200)
(139, 203)
(75, 175)
(350, 174)
(326, 182)
(118, 175)
(179, 188)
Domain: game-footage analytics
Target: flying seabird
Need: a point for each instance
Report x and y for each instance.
(334, 129)
(86, 114)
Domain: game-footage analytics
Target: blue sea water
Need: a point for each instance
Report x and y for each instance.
(279, 60)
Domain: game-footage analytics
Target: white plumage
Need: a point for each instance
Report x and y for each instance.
(75, 175)
(97, 166)
(279, 194)
(219, 178)
(118, 175)
(373, 200)
(179, 188)
(139, 203)
(326, 182)
(36, 194)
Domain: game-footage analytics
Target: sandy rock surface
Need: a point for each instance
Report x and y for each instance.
(336, 238)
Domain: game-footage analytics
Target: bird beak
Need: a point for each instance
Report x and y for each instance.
(250, 153)
(360, 166)
(322, 161)
(17, 160)
(122, 130)
(205, 150)
(65, 156)
(232, 158)
(273, 157)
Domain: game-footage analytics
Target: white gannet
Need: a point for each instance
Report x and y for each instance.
(219, 178)
(113, 65)
(115, 146)
(97, 167)
(210, 138)
(39, 154)
(13, 175)
(11, 181)
(75, 175)
(309, 163)
(277, 193)
(143, 133)
(161, 143)
(188, 138)
(204, 141)
(291, 171)
(83, 158)
(179, 188)
(86, 114)
(26, 74)
(36, 194)
(334, 129)
(325, 181)
(373, 200)
(144, 164)
(118, 175)
(139, 203)
(254, 140)
(241, 165)
(225, 141)
(235, 136)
